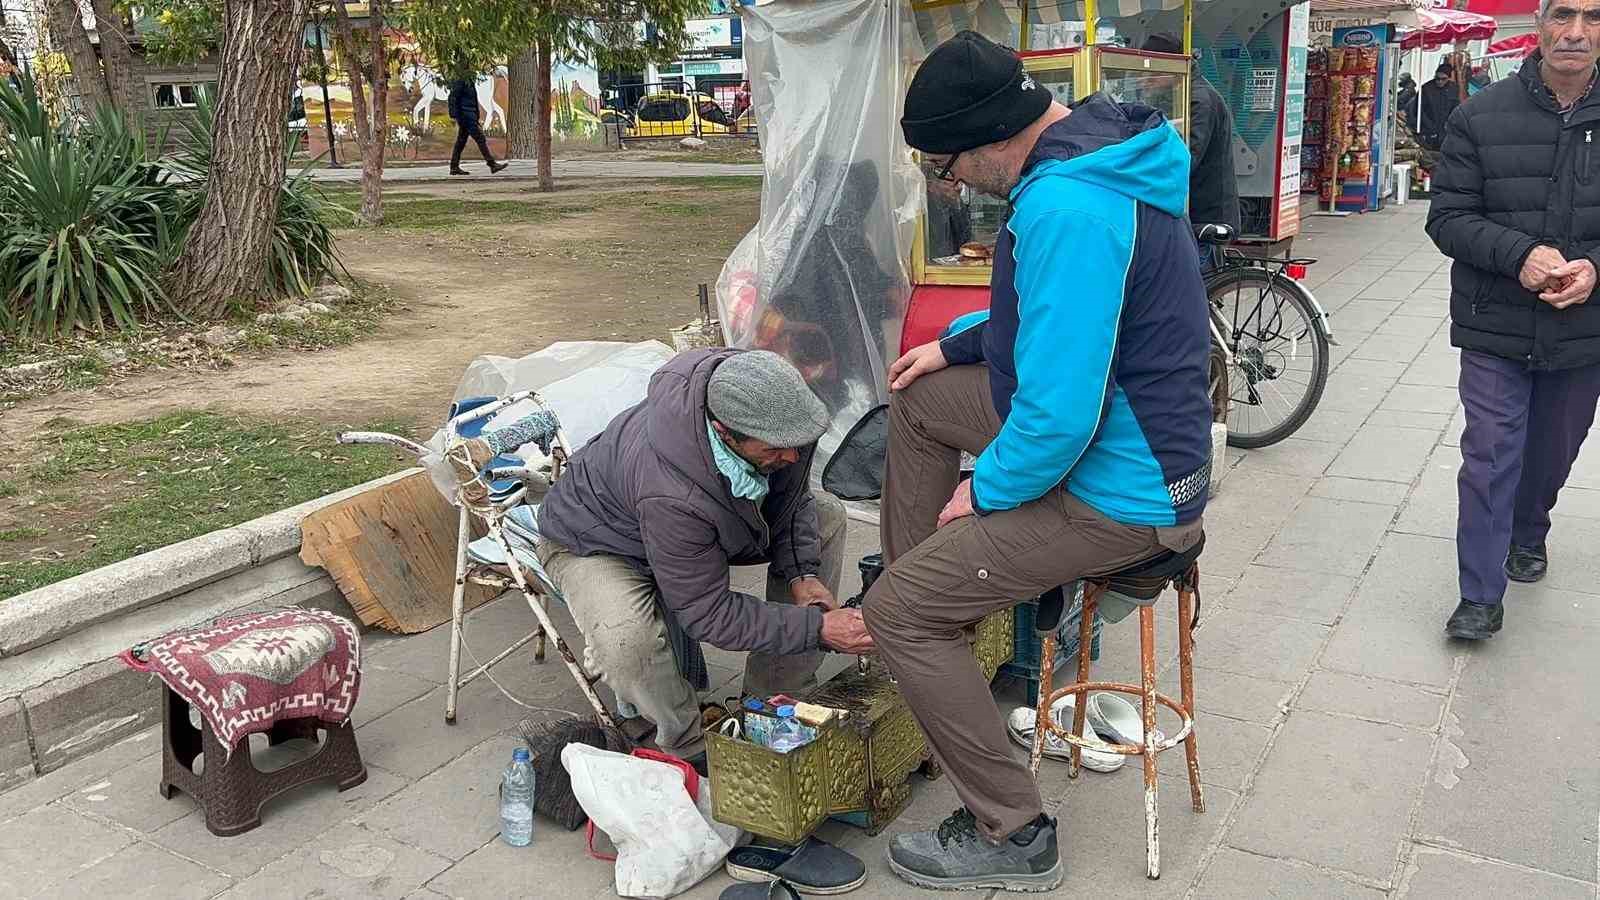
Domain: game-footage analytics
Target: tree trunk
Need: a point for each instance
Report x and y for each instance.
(541, 122)
(225, 252)
(115, 54)
(522, 77)
(68, 33)
(372, 154)
(371, 122)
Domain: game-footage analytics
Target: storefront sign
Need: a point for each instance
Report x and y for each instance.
(1286, 220)
(707, 33)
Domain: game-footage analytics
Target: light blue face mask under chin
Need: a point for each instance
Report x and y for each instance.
(746, 482)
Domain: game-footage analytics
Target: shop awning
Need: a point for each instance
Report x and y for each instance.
(1519, 45)
(1438, 27)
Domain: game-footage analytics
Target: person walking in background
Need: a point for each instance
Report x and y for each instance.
(1440, 97)
(464, 110)
(1406, 101)
(1516, 204)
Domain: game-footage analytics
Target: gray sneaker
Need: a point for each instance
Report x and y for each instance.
(955, 857)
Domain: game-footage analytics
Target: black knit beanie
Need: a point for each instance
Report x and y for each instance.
(970, 92)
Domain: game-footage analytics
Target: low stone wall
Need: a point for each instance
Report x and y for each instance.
(63, 692)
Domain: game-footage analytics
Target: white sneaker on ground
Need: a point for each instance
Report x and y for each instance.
(1117, 719)
(1020, 725)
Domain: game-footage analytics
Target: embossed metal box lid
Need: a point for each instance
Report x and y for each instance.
(782, 796)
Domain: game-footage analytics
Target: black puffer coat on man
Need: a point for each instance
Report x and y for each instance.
(1515, 174)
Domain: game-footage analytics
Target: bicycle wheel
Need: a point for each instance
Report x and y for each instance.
(1280, 355)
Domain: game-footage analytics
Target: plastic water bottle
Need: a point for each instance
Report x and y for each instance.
(788, 734)
(516, 800)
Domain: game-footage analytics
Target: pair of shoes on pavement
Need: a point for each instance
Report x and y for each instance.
(1478, 621)
(1107, 718)
(494, 169)
(956, 856)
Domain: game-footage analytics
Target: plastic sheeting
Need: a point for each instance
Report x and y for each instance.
(585, 383)
(822, 280)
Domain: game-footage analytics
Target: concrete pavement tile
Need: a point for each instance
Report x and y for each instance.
(146, 872)
(1435, 872)
(1334, 536)
(414, 739)
(1384, 453)
(453, 811)
(1574, 565)
(40, 852)
(1452, 435)
(287, 822)
(1102, 834)
(1418, 398)
(1578, 503)
(1390, 348)
(1397, 284)
(1239, 696)
(1412, 580)
(489, 629)
(1352, 391)
(385, 690)
(556, 858)
(1360, 490)
(1531, 798)
(1545, 603)
(1323, 769)
(1234, 875)
(130, 797)
(1292, 456)
(1431, 507)
(1415, 652)
(1373, 368)
(1259, 646)
(79, 773)
(1228, 751)
(1333, 426)
(1405, 323)
(1362, 315)
(1313, 596)
(1435, 369)
(346, 862)
(1368, 698)
(1434, 422)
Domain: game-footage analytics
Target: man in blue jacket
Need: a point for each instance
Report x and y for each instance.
(1082, 392)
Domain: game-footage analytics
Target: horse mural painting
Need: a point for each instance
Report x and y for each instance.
(433, 87)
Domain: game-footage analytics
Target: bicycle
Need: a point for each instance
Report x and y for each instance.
(1274, 339)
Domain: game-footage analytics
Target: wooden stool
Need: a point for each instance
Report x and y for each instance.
(230, 788)
(1144, 583)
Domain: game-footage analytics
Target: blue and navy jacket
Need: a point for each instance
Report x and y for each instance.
(1097, 337)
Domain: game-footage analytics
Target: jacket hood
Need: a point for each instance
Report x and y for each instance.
(677, 417)
(1127, 147)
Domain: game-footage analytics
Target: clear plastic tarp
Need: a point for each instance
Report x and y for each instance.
(822, 279)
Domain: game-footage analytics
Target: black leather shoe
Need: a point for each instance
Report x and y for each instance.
(1474, 622)
(1526, 564)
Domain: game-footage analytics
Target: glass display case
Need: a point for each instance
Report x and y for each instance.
(954, 243)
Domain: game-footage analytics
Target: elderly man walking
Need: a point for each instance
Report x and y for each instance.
(1517, 206)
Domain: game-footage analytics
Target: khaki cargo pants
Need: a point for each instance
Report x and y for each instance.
(942, 581)
(619, 611)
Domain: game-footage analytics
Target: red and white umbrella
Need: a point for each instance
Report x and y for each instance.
(1438, 27)
(1518, 45)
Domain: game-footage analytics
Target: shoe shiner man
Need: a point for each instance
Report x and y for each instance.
(1514, 205)
(712, 470)
(1083, 395)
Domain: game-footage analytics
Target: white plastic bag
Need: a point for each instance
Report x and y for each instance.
(666, 842)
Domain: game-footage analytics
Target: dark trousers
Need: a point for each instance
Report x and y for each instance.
(1524, 429)
(466, 130)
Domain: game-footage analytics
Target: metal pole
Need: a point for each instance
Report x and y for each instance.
(327, 107)
(1090, 15)
(1188, 28)
(1025, 32)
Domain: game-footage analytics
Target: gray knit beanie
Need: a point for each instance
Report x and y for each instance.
(760, 394)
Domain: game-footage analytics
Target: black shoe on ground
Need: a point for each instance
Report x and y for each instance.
(458, 172)
(1475, 622)
(495, 167)
(956, 857)
(1526, 564)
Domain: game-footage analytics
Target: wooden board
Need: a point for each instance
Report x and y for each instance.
(392, 551)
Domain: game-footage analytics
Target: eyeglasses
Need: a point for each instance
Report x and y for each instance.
(943, 172)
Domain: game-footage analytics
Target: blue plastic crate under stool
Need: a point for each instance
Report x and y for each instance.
(1025, 663)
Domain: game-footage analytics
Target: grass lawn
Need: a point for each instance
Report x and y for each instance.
(161, 481)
